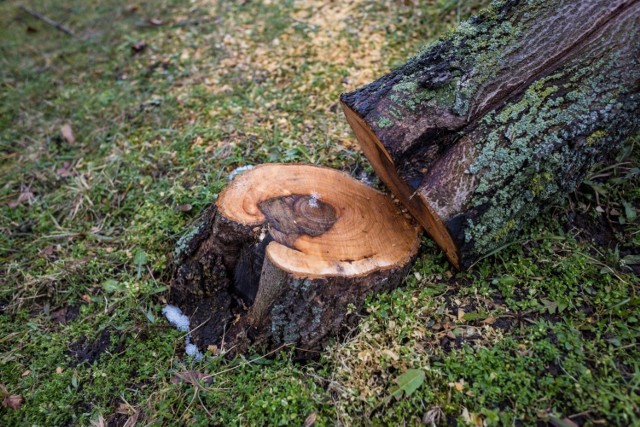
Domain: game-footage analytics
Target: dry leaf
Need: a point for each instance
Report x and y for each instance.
(184, 208)
(100, 422)
(13, 401)
(65, 170)
(191, 377)
(138, 47)
(133, 419)
(311, 420)
(156, 21)
(25, 196)
(67, 133)
(489, 320)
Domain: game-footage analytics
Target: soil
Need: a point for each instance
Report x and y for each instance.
(88, 352)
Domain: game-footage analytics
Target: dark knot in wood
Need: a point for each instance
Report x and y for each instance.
(292, 216)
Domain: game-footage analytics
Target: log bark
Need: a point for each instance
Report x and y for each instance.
(486, 127)
(287, 255)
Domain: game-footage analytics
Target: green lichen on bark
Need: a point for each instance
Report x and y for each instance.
(433, 77)
(536, 149)
(185, 242)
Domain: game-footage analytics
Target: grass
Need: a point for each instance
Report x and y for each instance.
(544, 331)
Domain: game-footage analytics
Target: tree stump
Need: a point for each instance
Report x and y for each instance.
(488, 126)
(287, 255)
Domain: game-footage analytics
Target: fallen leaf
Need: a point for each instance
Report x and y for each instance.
(65, 170)
(13, 401)
(138, 47)
(25, 196)
(184, 208)
(67, 133)
(132, 8)
(48, 251)
(191, 377)
(489, 320)
(156, 21)
(99, 422)
(133, 419)
(59, 370)
(311, 420)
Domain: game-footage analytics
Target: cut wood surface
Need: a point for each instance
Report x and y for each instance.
(485, 128)
(284, 253)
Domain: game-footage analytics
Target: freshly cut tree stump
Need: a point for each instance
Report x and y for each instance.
(485, 128)
(285, 255)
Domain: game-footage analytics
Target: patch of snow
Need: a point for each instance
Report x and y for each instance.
(176, 318)
(192, 350)
(313, 201)
(364, 178)
(237, 171)
(181, 322)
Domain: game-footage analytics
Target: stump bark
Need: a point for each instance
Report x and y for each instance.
(287, 255)
(485, 128)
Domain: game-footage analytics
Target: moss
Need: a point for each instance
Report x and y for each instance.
(596, 137)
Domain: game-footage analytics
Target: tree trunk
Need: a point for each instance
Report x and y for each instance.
(287, 256)
(483, 129)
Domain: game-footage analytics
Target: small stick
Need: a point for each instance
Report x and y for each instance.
(48, 21)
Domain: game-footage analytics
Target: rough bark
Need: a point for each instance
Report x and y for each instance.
(287, 255)
(497, 120)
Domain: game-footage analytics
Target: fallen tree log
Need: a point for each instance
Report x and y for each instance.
(287, 255)
(488, 126)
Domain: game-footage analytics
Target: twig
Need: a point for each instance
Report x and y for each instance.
(48, 21)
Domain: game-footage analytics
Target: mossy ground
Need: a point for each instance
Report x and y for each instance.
(545, 330)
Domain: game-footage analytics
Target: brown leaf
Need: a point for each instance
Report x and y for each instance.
(132, 8)
(191, 377)
(67, 133)
(489, 320)
(13, 401)
(138, 47)
(311, 420)
(184, 208)
(48, 251)
(133, 419)
(99, 422)
(25, 196)
(65, 170)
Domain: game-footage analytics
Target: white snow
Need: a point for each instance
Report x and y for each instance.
(181, 322)
(176, 318)
(313, 201)
(364, 178)
(237, 171)
(192, 349)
